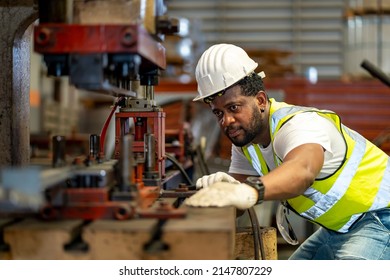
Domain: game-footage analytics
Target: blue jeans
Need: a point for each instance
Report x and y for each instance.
(367, 239)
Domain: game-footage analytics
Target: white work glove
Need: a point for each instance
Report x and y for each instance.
(208, 180)
(220, 194)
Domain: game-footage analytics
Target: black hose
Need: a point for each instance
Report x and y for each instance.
(180, 167)
(258, 241)
(375, 72)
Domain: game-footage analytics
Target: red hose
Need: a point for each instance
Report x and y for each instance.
(106, 124)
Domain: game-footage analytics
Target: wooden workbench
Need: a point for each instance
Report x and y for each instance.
(204, 234)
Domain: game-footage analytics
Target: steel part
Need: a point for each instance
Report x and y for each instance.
(123, 52)
(94, 176)
(150, 77)
(100, 57)
(124, 163)
(140, 128)
(168, 26)
(136, 105)
(120, 40)
(22, 188)
(156, 122)
(90, 72)
(149, 92)
(182, 191)
(94, 145)
(162, 211)
(112, 210)
(88, 195)
(59, 147)
(52, 38)
(156, 181)
(118, 195)
(149, 152)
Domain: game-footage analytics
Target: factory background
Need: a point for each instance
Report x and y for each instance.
(293, 41)
(331, 36)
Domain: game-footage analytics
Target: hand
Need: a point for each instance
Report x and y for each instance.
(220, 194)
(208, 180)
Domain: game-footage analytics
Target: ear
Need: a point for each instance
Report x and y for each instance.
(261, 98)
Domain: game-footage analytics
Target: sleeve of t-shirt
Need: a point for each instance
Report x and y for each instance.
(302, 129)
(239, 163)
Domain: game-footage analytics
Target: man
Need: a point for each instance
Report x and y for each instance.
(304, 157)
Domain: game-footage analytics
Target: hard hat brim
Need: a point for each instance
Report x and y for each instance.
(201, 97)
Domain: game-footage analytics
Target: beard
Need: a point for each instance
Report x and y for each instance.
(250, 131)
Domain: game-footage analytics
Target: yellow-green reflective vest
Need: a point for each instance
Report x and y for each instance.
(360, 184)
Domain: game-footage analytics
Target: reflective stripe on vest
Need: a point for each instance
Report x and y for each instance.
(363, 178)
(340, 186)
(256, 159)
(383, 194)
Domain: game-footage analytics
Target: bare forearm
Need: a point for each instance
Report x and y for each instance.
(286, 181)
(298, 172)
(294, 176)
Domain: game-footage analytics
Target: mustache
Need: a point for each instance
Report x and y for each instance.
(231, 128)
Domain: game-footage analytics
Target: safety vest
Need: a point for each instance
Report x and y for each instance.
(360, 184)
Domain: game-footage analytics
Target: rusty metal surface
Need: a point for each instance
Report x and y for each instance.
(51, 38)
(15, 34)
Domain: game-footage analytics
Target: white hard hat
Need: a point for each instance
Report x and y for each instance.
(221, 66)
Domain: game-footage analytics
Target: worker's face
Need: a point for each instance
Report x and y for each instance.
(239, 116)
